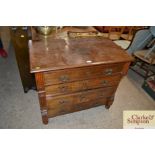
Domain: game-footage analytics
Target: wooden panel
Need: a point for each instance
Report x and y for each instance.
(125, 68)
(69, 75)
(19, 38)
(76, 107)
(42, 96)
(40, 81)
(60, 53)
(80, 97)
(82, 85)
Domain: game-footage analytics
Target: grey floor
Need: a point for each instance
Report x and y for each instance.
(20, 110)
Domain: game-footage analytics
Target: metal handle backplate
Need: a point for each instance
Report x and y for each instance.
(104, 82)
(82, 98)
(64, 78)
(108, 71)
(63, 101)
(63, 88)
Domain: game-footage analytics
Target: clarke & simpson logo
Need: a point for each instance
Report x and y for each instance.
(139, 119)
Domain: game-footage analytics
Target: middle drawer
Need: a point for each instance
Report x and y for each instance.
(76, 86)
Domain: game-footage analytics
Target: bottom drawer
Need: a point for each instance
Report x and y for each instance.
(76, 107)
(80, 97)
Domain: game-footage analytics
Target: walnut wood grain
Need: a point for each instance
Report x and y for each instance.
(76, 107)
(42, 96)
(80, 97)
(40, 81)
(76, 74)
(43, 107)
(125, 68)
(109, 101)
(52, 54)
(65, 88)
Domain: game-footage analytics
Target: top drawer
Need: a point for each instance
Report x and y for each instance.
(74, 74)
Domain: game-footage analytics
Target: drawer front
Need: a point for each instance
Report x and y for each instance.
(75, 74)
(52, 112)
(82, 85)
(69, 100)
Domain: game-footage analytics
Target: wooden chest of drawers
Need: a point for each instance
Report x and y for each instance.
(76, 74)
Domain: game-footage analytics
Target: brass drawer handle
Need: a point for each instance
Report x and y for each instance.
(62, 111)
(104, 83)
(82, 98)
(102, 94)
(108, 71)
(84, 85)
(64, 78)
(63, 102)
(79, 107)
(63, 88)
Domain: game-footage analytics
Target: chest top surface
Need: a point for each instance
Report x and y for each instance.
(60, 53)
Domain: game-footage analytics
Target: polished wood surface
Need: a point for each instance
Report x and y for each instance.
(93, 83)
(74, 74)
(80, 97)
(76, 107)
(53, 54)
(80, 73)
(42, 96)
